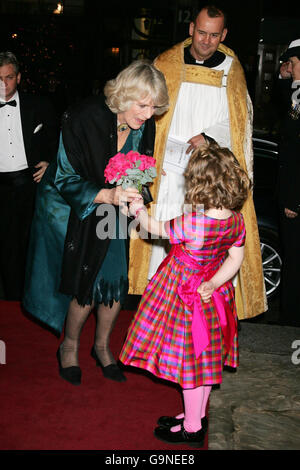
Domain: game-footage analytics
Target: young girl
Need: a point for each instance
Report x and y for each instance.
(185, 329)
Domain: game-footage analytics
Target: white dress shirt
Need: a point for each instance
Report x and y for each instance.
(12, 150)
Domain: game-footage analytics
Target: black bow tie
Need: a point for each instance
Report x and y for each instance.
(11, 103)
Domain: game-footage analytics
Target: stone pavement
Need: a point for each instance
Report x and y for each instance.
(258, 406)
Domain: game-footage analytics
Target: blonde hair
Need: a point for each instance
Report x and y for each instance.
(138, 81)
(215, 179)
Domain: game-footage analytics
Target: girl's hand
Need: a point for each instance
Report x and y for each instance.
(135, 205)
(122, 196)
(206, 290)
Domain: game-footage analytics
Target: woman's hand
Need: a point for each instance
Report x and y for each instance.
(206, 290)
(117, 196)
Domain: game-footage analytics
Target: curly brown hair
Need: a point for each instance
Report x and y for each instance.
(215, 179)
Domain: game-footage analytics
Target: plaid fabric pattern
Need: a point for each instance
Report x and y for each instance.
(159, 338)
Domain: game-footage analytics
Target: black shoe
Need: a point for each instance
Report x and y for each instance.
(112, 371)
(170, 421)
(70, 374)
(231, 370)
(193, 439)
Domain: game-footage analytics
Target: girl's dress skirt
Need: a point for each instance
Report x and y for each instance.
(160, 339)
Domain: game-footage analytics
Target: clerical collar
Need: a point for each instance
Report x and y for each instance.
(216, 59)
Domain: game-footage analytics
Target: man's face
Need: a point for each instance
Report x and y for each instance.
(207, 33)
(9, 81)
(294, 67)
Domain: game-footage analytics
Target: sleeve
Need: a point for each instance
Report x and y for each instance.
(282, 98)
(175, 230)
(50, 129)
(77, 192)
(241, 232)
(187, 228)
(220, 132)
(289, 169)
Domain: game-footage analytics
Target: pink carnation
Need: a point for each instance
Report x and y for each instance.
(133, 156)
(146, 162)
(118, 165)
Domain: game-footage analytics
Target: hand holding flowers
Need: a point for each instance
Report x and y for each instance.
(116, 196)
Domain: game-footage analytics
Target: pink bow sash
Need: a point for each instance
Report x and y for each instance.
(189, 295)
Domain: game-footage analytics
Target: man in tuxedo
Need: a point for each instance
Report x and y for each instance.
(29, 140)
(289, 184)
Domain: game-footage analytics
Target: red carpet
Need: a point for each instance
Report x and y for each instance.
(40, 411)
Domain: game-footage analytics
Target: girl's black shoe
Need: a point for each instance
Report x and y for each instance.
(171, 421)
(193, 439)
(112, 371)
(70, 374)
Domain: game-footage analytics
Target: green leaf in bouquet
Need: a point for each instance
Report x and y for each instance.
(145, 179)
(152, 172)
(134, 172)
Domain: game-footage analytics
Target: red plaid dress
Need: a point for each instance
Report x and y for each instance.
(160, 337)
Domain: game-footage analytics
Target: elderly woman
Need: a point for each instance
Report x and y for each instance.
(70, 270)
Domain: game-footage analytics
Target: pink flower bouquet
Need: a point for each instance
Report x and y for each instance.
(130, 170)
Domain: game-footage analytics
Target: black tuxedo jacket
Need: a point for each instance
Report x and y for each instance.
(40, 129)
(289, 161)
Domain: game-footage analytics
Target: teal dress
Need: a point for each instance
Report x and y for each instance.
(42, 297)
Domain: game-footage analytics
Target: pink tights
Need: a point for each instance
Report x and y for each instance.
(195, 401)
